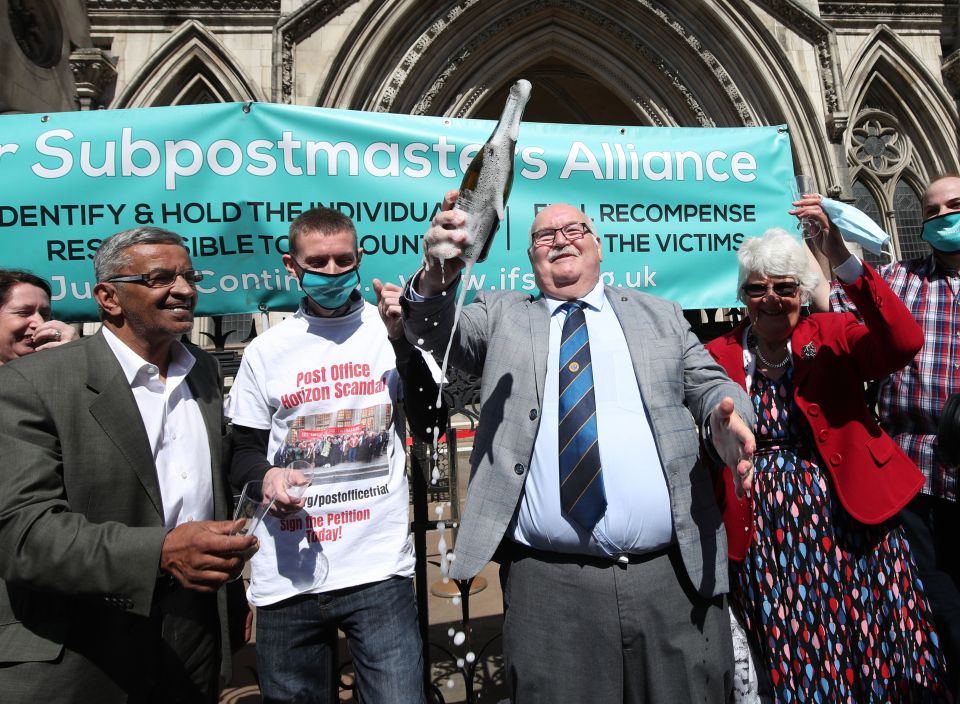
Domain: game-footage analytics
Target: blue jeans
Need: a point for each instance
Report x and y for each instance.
(297, 645)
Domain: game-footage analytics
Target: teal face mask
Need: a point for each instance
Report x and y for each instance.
(943, 232)
(329, 291)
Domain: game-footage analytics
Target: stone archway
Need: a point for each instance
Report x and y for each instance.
(886, 75)
(191, 67)
(713, 63)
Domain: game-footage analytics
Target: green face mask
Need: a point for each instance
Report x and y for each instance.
(329, 291)
(943, 232)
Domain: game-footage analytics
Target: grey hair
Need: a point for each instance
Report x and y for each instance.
(112, 255)
(776, 253)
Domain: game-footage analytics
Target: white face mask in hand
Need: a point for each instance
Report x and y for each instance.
(856, 226)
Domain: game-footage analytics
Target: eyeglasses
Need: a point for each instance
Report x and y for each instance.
(159, 278)
(783, 289)
(573, 231)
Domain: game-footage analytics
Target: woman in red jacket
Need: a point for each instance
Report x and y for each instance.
(821, 574)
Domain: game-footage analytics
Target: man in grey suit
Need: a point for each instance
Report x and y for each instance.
(112, 544)
(613, 577)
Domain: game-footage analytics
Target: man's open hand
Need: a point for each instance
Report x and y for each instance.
(734, 442)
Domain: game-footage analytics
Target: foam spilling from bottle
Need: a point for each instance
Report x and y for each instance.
(453, 331)
(442, 549)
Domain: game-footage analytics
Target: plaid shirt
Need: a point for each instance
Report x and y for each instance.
(910, 401)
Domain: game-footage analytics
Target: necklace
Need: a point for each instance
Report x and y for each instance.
(767, 364)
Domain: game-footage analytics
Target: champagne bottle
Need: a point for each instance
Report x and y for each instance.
(487, 181)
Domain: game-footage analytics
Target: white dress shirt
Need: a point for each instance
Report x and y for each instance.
(638, 517)
(175, 429)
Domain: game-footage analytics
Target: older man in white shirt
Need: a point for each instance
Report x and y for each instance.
(110, 555)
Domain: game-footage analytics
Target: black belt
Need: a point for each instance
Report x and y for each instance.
(516, 551)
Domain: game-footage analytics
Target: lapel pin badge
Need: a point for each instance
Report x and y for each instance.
(809, 351)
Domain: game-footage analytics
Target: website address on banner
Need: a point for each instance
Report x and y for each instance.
(513, 279)
(516, 279)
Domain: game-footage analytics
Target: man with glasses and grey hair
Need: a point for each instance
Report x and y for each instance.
(113, 543)
(586, 484)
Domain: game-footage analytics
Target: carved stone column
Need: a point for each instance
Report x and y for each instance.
(94, 76)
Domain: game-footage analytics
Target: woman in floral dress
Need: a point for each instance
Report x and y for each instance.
(822, 579)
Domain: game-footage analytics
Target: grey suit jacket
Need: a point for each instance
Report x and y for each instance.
(504, 336)
(81, 517)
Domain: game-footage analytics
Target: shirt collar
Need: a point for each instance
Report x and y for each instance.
(935, 266)
(181, 361)
(594, 299)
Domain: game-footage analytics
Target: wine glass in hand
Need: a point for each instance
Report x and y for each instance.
(251, 508)
(803, 185)
(297, 478)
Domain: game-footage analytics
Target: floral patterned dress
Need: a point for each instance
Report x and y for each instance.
(833, 608)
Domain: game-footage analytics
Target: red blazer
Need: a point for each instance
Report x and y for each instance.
(833, 354)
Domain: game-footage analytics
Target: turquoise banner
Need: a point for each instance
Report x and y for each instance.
(671, 204)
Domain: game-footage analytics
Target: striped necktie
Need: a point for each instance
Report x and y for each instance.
(582, 497)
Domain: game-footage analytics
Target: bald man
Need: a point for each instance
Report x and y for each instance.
(586, 480)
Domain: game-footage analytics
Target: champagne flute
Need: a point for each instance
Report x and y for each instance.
(251, 508)
(297, 478)
(801, 186)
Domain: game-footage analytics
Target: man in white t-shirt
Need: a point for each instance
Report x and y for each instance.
(340, 556)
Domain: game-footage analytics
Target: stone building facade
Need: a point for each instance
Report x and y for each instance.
(867, 88)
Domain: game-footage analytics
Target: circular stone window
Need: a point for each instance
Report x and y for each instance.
(37, 29)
